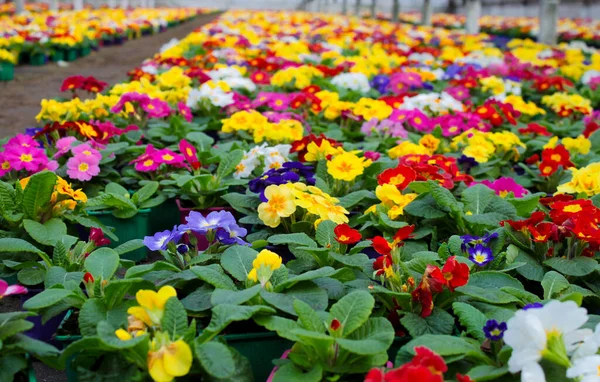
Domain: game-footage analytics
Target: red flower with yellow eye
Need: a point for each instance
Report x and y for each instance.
(455, 273)
(548, 168)
(381, 245)
(543, 232)
(433, 281)
(561, 211)
(404, 233)
(346, 235)
(521, 225)
(400, 177)
(559, 155)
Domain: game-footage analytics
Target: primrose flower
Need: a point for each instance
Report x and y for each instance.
(168, 359)
(82, 168)
(263, 266)
(151, 305)
(347, 166)
(8, 290)
(280, 204)
(494, 330)
(25, 158)
(63, 145)
(160, 240)
(480, 254)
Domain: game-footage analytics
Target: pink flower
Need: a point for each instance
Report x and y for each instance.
(372, 155)
(22, 140)
(82, 168)
(52, 165)
(402, 82)
(133, 97)
(169, 157)
(7, 290)
(157, 108)
(458, 92)
(86, 151)
(190, 154)
(25, 158)
(278, 102)
(5, 165)
(185, 111)
(147, 165)
(63, 146)
(503, 186)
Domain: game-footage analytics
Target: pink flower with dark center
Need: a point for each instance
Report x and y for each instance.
(503, 186)
(82, 168)
(7, 290)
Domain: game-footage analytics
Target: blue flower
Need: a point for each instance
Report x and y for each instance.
(494, 330)
(160, 240)
(380, 82)
(534, 305)
(232, 235)
(469, 240)
(480, 254)
(196, 222)
(290, 172)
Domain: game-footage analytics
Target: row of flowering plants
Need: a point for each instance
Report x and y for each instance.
(354, 199)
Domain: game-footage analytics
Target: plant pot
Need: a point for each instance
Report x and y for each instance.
(272, 375)
(135, 227)
(42, 332)
(164, 216)
(184, 213)
(85, 51)
(37, 59)
(71, 54)
(7, 71)
(260, 349)
(58, 55)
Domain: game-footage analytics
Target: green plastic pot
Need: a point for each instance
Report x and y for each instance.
(85, 51)
(7, 71)
(71, 54)
(37, 59)
(260, 349)
(58, 55)
(135, 227)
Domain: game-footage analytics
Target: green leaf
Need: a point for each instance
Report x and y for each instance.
(374, 337)
(94, 311)
(578, 266)
(290, 373)
(553, 283)
(352, 311)
(487, 372)
(353, 198)
(237, 260)
(306, 291)
(359, 260)
(106, 333)
(47, 233)
(228, 163)
(533, 270)
(439, 322)
(325, 235)
(492, 296)
(146, 192)
(211, 275)
(526, 204)
(32, 275)
(424, 206)
(116, 290)
(523, 295)
(10, 365)
(293, 238)
(215, 358)
(477, 198)
(224, 314)
(38, 193)
(444, 198)
(129, 246)
(283, 326)
(8, 329)
(443, 345)
(306, 276)
(11, 244)
(102, 263)
(308, 318)
(492, 279)
(472, 319)
(198, 300)
(116, 189)
(59, 276)
(223, 296)
(47, 298)
(174, 319)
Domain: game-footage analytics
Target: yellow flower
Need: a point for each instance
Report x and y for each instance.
(430, 142)
(551, 143)
(479, 153)
(264, 265)
(315, 152)
(152, 305)
(392, 199)
(280, 204)
(580, 145)
(586, 181)
(167, 360)
(407, 148)
(346, 166)
(123, 335)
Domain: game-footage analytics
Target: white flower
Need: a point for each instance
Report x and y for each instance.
(530, 333)
(169, 45)
(245, 168)
(240, 83)
(590, 344)
(223, 73)
(273, 162)
(352, 81)
(585, 368)
(421, 57)
(150, 69)
(587, 76)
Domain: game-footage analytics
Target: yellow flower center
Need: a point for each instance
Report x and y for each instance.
(398, 179)
(83, 167)
(168, 157)
(572, 208)
(189, 151)
(6, 165)
(26, 158)
(87, 152)
(148, 163)
(555, 157)
(503, 193)
(344, 238)
(344, 167)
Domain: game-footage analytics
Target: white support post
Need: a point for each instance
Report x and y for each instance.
(357, 8)
(473, 15)
(151, 3)
(112, 4)
(426, 13)
(344, 7)
(396, 11)
(54, 5)
(548, 22)
(19, 6)
(373, 9)
(319, 6)
(124, 4)
(77, 5)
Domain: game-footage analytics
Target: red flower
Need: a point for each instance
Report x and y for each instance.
(346, 235)
(534, 128)
(535, 158)
(559, 155)
(521, 225)
(88, 278)
(463, 378)
(335, 324)
(400, 177)
(190, 154)
(404, 233)
(93, 85)
(97, 236)
(72, 83)
(457, 274)
(549, 201)
(543, 232)
(433, 281)
(312, 89)
(260, 77)
(381, 263)
(381, 245)
(548, 168)
(561, 211)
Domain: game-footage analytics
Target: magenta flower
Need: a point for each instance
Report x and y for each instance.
(22, 140)
(403, 82)
(82, 168)
(169, 157)
(458, 92)
(157, 108)
(185, 111)
(400, 115)
(7, 290)
(147, 165)
(420, 121)
(372, 155)
(133, 97)
(26, 158)
(279, 101)
(86, 151)
(63, 146)
(503, 186)
(5, 165)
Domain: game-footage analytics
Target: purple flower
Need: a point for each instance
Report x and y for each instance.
(533, 305)
(494, 330)
(196, 222)
(160, 240)
(380, 82)
(480, 255)
(473, 240)
(288, 172)
(232, 234)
